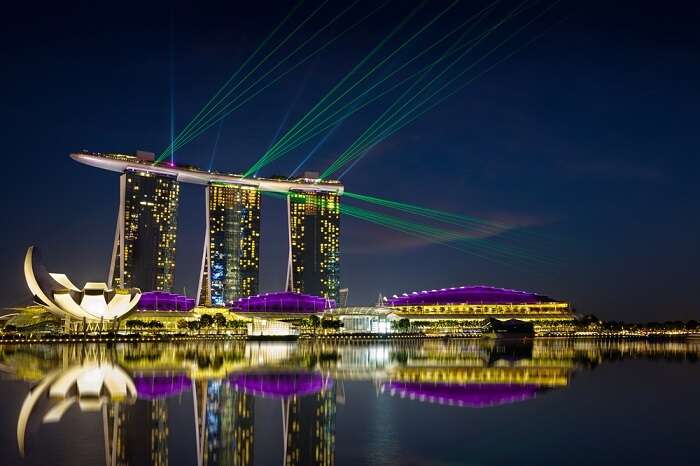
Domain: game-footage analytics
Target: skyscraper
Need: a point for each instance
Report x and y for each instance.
(144, 246)
(314, 243)
(231, 258)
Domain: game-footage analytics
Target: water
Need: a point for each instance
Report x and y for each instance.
(424, 402)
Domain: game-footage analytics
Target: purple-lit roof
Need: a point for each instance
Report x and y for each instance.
(279, 385)
(472, 396)
(152, 387)
(164, 301)
(287, 302)
(467, 294)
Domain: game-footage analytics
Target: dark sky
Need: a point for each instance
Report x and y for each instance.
(585, 141)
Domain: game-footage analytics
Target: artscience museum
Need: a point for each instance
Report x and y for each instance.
(94, 305)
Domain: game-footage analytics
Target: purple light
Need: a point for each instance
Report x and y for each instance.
(152, 387)
(287, 302)
(467, 295)
(472, 396)
(164, 301)
(279, 385)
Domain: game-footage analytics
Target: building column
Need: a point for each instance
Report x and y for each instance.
(204, 287)
(118, 248)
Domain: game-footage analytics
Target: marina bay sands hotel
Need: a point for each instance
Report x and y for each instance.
(143, 255)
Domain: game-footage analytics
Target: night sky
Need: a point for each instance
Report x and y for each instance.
(586, 140)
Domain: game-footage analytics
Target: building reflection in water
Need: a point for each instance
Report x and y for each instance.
(132, 386)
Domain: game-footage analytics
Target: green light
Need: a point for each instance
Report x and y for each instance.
(203, 121)
(314, 113)
(245, 63)
(459, 240)
(224, 112)
(464, 242)
(376, 133)
(289, 143)
(263, 160)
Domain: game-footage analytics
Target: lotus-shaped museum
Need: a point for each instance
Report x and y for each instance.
(95, 302)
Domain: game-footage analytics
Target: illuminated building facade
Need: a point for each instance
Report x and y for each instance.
(231, 256)
(478, 303)
(95, 302)
(144, 247)
(314, 243)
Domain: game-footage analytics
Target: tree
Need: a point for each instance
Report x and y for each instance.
(134, 323)
(219, 320)
(401, 325)
(206, 321)
(236, 324)
(193, 325)
(182, 324)
(331, 324)
(314, 321)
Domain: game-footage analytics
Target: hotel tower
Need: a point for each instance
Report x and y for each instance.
(231, 256)
(144, 247)
(143, 255)
(314, 244)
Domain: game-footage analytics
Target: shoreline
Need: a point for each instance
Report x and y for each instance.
(5, 340)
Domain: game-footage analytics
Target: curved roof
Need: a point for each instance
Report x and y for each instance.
(287, 302)
(186, 174)
(467, 295)
(55, 292)
(152, 387)
(164, 301)
(279, 385)
(472, 396)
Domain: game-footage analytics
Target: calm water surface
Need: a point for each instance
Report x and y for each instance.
(546, 402)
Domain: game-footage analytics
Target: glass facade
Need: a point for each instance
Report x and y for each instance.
(314, 223)
(232, 258)
(144, 251)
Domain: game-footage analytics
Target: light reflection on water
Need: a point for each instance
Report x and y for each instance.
(232, 403)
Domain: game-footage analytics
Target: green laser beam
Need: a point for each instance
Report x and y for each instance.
(331, 120)
(409, 117)
(269, 54)
(359, 147)
(258, 164)
(245, 63)
(375, 68)
(220, 107)
(225, 114)
(436, 234)
(489, 227)
(378, 66)
(289, 144)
